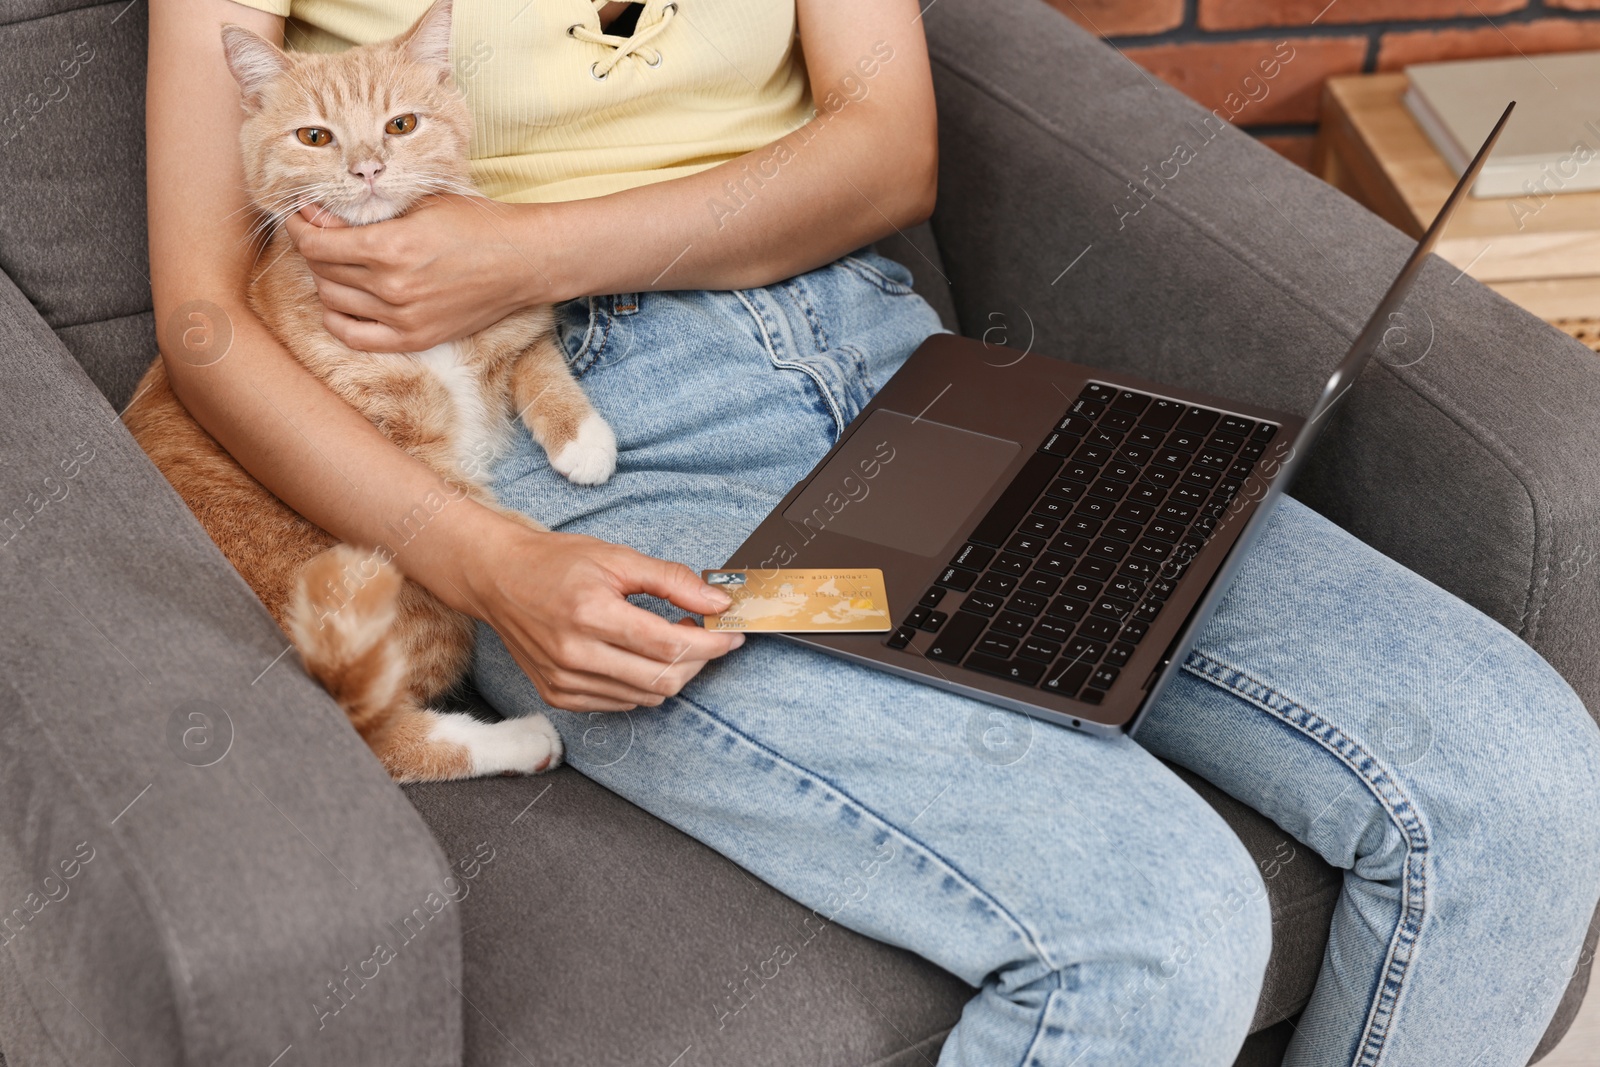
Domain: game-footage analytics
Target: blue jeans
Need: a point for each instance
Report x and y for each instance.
(1104, 912)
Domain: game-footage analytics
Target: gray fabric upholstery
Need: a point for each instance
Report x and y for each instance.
(218, 899)
(216, 908)
(600, 935)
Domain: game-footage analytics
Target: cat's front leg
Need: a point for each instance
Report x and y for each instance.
(552, 404)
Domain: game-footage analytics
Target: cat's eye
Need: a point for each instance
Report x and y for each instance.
(401, 124)
(315, 136)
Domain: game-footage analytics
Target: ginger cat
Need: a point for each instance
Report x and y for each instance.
(367, 133)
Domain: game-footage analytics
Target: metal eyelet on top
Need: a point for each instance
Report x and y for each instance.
(572, 27)
(657, 63)
(595, 73)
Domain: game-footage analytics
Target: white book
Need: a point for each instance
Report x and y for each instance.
(1552, 143)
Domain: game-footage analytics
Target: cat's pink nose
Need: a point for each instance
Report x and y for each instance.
(367, 170)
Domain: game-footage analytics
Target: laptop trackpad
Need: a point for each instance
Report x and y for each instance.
(903, 482)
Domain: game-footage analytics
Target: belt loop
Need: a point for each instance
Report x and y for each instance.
(625, 303)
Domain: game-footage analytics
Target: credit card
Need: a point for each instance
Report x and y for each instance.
(801, 600)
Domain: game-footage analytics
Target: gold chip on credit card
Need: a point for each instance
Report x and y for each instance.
(801, 601)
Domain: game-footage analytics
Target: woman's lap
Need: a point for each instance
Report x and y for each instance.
(1097, 900)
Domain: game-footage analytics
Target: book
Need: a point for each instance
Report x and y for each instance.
(1552, 143)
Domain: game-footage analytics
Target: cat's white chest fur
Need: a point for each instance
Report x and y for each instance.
(479, 432)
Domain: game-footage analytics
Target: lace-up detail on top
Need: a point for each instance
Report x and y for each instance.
(638, 44)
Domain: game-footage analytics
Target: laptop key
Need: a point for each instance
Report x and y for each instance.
(1084, 650)
(1111, 608)
(998, 584)
(1068, 544)
(1080, 472)
(1096, 507)
(1121, 470)
(1165, 477)
(1134, 632)
(901, 637)
(1060, 444)
(1186, 441)
(1108, 489)
(1106, 549)
(1010, 563)
(972, 557)
(1016, 501)
(1042, 584)
(1039, 649)
(931, 598)
(998, 645)
(1224, 442)
(1026, 544)
(1140, 568)
(1119, 421)
(1217, 460)
(917, 617)
(1013, 624)
(1089, 409)
(1050, 563)
(1076, 425)
(1051, 508)
(1117, 655)
(1198, 420)
(1162, 530)
(957, 636)
(1162, 415)
(1128, 400)
(1263, 433)
(1098, 629)
(1033, 524)
(1152, 549)
(1051, 630)
(1122, 530)
(1100, 394)
(1016, 670)
(1236, 425)
(1133, 511)
(1066, 678)
(1092, 696)
(1067, 491)
(1145, 612)
(1177, 511)
(985, 604)
(1104, 677)
(1145, 493)
(1125, 587)
(1202, 476)
(1144, 437)
(1030, 604)
(1101, 435)
(954, 578)
(1082, 588)
(1191, 494)
(1068, 609)
(1094, 454)
(1097, 569)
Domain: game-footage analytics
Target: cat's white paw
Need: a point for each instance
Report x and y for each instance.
(527, 744)
(589, 458)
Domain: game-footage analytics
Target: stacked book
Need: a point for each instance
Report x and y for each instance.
(1551, 145)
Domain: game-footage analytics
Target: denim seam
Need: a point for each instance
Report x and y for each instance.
(1402, 812)
(588, 332)
(1536, 596)
(592, 354)
(778, 361)
(1029, 936)
(1040, 1028)
(796, 287)
(877, 277)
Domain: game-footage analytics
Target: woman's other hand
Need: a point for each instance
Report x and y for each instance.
(559, 602)
(449, 267)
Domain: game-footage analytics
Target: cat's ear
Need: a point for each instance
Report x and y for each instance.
(254, 61)
(428, 41)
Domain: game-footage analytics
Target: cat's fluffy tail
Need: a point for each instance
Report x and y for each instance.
(344, 618)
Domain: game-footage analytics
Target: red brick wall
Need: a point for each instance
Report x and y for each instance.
(1230, 54)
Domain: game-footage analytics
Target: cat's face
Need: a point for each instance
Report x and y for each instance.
(366, 133)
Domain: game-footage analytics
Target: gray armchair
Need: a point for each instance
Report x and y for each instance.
(268, 897)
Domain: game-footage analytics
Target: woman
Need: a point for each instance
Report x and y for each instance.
(668, 157)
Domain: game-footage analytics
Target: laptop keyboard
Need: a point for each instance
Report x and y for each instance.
(1064, 575)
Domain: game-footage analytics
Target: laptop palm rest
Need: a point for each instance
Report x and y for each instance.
(902, 482)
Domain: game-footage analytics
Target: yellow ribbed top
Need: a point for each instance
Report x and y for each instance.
(729, 78)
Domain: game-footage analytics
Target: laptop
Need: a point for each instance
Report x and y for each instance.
(1052, 538)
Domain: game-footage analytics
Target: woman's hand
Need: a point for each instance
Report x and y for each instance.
(559, 603)
(449, 267)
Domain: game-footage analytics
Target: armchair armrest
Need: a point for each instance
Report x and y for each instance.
(199, 859)
(1093, 212)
